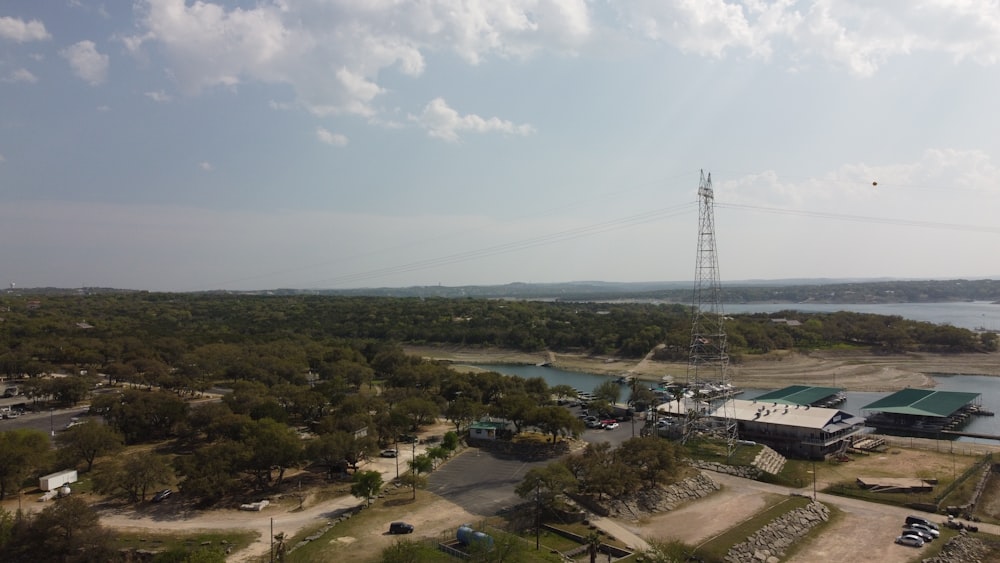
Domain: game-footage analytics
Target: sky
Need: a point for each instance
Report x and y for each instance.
(172, 145)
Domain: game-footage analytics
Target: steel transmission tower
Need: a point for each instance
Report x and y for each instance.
(708, 360)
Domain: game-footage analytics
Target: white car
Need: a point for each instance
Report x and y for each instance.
(611, 425)
(388, 453)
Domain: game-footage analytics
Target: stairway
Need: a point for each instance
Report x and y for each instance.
(769, 461)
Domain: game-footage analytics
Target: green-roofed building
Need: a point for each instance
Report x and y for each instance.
(922, 411)
(803, 395)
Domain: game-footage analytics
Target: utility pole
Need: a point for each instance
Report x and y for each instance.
(538, 514)
(814, 479)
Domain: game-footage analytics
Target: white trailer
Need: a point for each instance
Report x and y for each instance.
(53, 481)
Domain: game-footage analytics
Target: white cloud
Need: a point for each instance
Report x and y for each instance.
(442, 122)
(330, 138)
(206, 166)
(159, 96)
(20, 31)
(957, 176)
(858, 35)
(21, 75)
(332, 54)
(87, 62)
(2, 158)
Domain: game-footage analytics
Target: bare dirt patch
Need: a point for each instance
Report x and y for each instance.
(432, 518)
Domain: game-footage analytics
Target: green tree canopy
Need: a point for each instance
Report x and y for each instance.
(366, 485)
(23, 452)
(87, 441)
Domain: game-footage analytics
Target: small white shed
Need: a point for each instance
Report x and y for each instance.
(53, 481)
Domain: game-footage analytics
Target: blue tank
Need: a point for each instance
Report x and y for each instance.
(467, 537)
(464, 534)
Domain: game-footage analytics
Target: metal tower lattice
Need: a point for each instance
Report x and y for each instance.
(708, 360)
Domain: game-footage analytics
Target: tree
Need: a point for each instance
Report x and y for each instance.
(463, 411)
(609, 391)
(89, 440)
(653, 460)
(25, 451)
(418, 411)
(366, 484)
(419, 464)
(136, 475)
(593, 545)
(271, 445)
(556, 421)
(545, 484)
(438, 454)
(69, 390)
(145, 415)
(515, 407)
(642, 398)
(450, 441)
(66, 530)
(211, 472)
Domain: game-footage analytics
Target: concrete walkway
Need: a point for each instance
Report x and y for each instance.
(620, 532)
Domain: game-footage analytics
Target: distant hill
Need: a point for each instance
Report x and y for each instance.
(746, 291)
(755, 291)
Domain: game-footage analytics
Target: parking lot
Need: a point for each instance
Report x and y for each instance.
(483, 483)
(479, 481)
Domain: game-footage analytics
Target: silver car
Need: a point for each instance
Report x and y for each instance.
(911, 541)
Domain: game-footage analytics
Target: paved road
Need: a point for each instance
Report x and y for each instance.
(46, 421)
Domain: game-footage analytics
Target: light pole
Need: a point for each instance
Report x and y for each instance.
(814, 479)
(52, 428)
(397, 458)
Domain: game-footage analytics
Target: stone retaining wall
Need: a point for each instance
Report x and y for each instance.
(746, 471)
(768, 544)
(962, 548)
(662, 499)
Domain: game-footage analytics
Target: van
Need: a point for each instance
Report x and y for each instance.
(921, 521)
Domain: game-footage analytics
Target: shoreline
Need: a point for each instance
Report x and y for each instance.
(848, 370)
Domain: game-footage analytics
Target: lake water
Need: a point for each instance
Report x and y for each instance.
(973, 315)
(987, 386)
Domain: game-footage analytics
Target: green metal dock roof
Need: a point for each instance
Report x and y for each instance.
(798, 395)
(922, 402)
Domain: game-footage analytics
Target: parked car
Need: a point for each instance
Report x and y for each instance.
(918, 533)
(933, 533)
(407, 439)
(594, 424)
(922, 521)
(388, 453)
(911, 541)
(400, 528)
(611, 425)
(162, 495)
